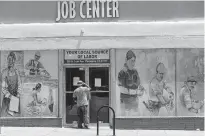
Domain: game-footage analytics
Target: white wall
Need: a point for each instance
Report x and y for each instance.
(181, 34)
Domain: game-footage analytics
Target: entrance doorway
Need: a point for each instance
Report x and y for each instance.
(98, 80)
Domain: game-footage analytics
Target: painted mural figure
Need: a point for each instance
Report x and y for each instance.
(50, 100)
(34, 107)
(11, 86)
(199, 64)
(129, 83)
(35, 67)
(161, 96)
(188, 96)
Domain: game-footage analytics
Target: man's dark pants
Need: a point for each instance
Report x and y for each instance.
(83, 116)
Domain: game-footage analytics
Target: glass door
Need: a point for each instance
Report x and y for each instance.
(99, 84)
(72, 75)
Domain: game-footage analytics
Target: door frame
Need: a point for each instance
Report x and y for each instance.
(86, 66)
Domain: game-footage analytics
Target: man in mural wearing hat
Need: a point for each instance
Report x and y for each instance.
(11, 87)
(35, 67)
(160, 94)
(188, 96)
(129, 83)
(82, 94)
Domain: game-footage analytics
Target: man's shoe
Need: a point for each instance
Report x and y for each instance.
(86, 127)
(80, 127)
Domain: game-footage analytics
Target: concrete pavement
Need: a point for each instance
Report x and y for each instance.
(104, 131)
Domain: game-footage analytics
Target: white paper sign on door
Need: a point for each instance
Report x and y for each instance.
(97, 82)
(75, 80)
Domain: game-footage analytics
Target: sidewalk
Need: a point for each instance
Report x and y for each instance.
(104, 131)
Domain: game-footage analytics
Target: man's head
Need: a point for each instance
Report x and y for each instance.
(191, 82)
(37, 55)
(80, 83)
(160, 70)
(11, 59)
(130, 59)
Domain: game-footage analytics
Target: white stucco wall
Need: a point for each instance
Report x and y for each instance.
(180, 34)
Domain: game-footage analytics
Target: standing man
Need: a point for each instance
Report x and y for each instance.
(82, 94)
(160, 94)
(129, 84)
(11, 86)
(188, 96)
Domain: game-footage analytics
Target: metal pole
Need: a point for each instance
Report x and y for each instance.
(113, 119)
(97, 125)
(113, 125)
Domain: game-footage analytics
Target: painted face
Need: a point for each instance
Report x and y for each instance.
(39, 90)
(37, 57)
(160, 76)
(10, 61)
(131, 63)
(191, 85)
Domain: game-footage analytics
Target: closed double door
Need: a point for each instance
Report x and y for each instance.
(98, 80)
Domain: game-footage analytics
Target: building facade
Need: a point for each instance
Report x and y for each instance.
(149, 72)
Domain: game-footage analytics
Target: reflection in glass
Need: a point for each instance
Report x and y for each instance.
(99, 74)
(99, 82)
(72, 76)
(71, 109)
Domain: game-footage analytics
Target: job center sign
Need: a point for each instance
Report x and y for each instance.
(87, 9)
(87, 56)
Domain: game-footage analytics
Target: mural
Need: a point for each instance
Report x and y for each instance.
(146, 82)
(29, 83)
(35, 68)
(11, 83)
(190, 82)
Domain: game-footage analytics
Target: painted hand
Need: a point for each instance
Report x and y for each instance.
(169, 90)
(31, 67)
(201, 104)
(158, 93)
(140, 87)
(18, 95)
(140, 92)
(8, 95)
(193, 110)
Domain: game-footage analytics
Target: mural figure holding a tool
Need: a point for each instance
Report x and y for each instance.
(11, 87)
(35, 67)
(129, 84)
(188, 96)
(161, 95)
